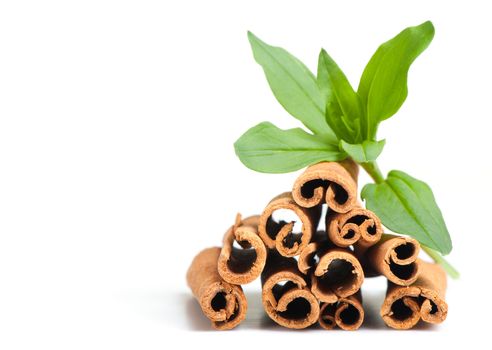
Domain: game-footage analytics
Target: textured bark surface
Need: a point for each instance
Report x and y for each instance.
(223, 303)
(395, 257)
(242, 265)
(403, 307)
(347, 313)
(358, 225)
(279, 235)
(286, 297)
(328, 182)
(338, 274)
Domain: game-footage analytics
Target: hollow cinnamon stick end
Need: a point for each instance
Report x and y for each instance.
(223, 303)
(306, 258)
(326, 182)
(342, 234)
(350, 314)
(242, 265)
(400, 309)
(235, 302)
(434, 310)
(327, 316)
(296, 309)
(396, 259)
(338, 274)
(432, 282)
(280, 235)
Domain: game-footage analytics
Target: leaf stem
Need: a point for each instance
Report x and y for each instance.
(372, 169)
(438, 258)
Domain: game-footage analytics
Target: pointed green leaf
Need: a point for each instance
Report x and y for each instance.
(383, 85)
(293, 85)
(341, 97)
(333, 112)
(407, 205)
(367, 151)
(268, 149)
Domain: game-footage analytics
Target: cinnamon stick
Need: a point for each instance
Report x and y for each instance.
(395, 257)
(403, 307)
(309, 257)
(286, 297)
(338, 274)
(346, 313)
(280, 235)
(328, 182)
(242, 265)
(223, 303)
(358, 225)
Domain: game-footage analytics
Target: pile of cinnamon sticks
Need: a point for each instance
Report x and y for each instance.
(314, 274)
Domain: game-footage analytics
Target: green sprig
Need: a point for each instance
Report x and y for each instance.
(344, 123)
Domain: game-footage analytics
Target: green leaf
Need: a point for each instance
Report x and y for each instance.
(344, 108)
(293, 85)
(383, 85)
(406, 205)
(367, 151)
(268, 149)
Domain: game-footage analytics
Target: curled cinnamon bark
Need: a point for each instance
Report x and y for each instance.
(359, 226)
(338, 274)
(286, 297)
(280, 235)
(242, 265)
(310, 256)
(347, 313)
(328, 182)
(223, 303)
(403, 307)
(395, 257)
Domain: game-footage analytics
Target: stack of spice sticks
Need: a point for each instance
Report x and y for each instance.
(314, 274)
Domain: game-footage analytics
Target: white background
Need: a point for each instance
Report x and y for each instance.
(117, 121)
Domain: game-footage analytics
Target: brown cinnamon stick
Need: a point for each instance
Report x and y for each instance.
(280, 235)
(338, 274)
(286, 297)
(242, 265)
(358, 225)
(395, 257)
(309, 257)
(223, 303)
(403, 307)
(328, 182)
(347, 313)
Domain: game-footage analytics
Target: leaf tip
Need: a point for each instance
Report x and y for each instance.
(253, 39)
(428, 24)
(323, 54)
(427, 28)
(447, 247)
